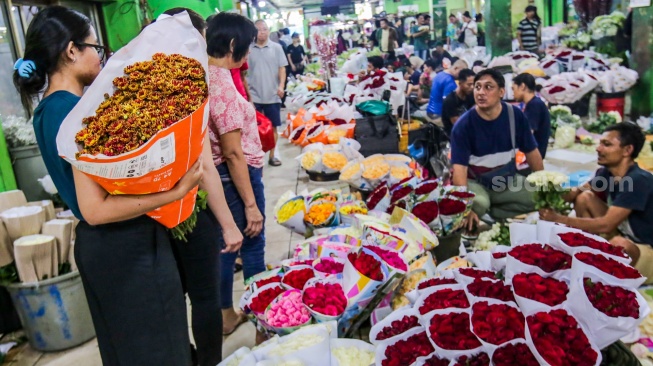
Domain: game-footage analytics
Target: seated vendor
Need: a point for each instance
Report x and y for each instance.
(374, 64)
(483, 144)
(619, 199)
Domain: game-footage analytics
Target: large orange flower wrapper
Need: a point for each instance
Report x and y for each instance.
(141, 125)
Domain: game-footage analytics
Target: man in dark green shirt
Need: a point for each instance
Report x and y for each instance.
(421, 35)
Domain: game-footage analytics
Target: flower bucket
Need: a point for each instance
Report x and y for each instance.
(578, 268)
(54, 312)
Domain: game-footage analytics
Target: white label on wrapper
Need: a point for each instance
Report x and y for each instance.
(158, 156)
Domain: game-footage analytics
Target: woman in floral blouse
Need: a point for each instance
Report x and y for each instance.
(237, 151)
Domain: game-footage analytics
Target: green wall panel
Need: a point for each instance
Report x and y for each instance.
(641, 61)
(123, 18)
(204, 8)
(391, 7)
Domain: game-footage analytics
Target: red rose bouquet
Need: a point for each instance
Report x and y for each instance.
(607, 312)
(428, 212)
(397, 327)
(427, 191)
(612, 301)
(439, 299)
(367, 265)
(513, 354)
(451, 332)
(325, 299)
(379, 199)
(452, 213)
(559, 340)
(297, 278)
(329, 266)
(433, 282)
(261, 299)
(543, 290)
(469, 274)
(434, 360)
(481, 359)
(615, 272)
(450, 207)
(491, 289)
(576, 241)
(411, 345)
(363, 274)
(497, 323)
(392, 258)
(544, 257)
(266, 281)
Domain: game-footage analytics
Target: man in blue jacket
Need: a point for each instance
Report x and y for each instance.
(443, 84)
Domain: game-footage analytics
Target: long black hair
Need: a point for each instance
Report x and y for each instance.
(47, 37)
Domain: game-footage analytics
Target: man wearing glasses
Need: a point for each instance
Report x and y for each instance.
(483, 149)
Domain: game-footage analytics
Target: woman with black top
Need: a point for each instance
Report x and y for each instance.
(296, 56)
(125, 258)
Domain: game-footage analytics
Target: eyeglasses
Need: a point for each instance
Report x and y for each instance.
(101, 50)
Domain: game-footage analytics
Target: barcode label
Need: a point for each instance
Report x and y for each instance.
(158, 156)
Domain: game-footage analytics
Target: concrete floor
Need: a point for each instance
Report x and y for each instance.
(279, 240)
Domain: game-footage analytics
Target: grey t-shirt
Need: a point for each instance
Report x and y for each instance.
(263, 74)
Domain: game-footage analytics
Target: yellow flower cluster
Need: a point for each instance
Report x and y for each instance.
(408, 285)
(334, 135)
(376, 171)
(320, 213)
(310, 159)
(151, 96)
(334, 160)
(400, 172)
(353, 209)
(290, 209)
(350, 172)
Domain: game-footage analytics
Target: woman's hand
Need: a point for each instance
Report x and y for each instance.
(292, 66)
(254, 221)
(233, 239)
(190, 179)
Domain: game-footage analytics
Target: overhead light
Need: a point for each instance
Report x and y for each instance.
(261, 4)
(243, 6)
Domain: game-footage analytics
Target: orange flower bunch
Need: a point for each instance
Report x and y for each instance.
(150, 97)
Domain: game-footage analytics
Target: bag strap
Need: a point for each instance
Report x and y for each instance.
(511, 120)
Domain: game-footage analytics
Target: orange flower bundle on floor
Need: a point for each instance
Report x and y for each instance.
(150, 97)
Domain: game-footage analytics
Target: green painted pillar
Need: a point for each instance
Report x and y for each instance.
(7, 179)
(499, 28)
(642, 62)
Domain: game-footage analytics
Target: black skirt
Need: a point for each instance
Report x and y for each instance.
(134, 292)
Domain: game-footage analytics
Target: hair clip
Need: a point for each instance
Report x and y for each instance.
(25, 67)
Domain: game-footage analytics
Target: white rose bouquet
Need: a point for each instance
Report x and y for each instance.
(499, 234)
(549, 190)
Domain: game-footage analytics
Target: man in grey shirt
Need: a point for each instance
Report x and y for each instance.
(267, 79)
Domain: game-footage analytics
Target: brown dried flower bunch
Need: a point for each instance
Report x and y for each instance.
(151, 96)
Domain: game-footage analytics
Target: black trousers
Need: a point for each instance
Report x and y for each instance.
(134, 293)
(199, 266)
